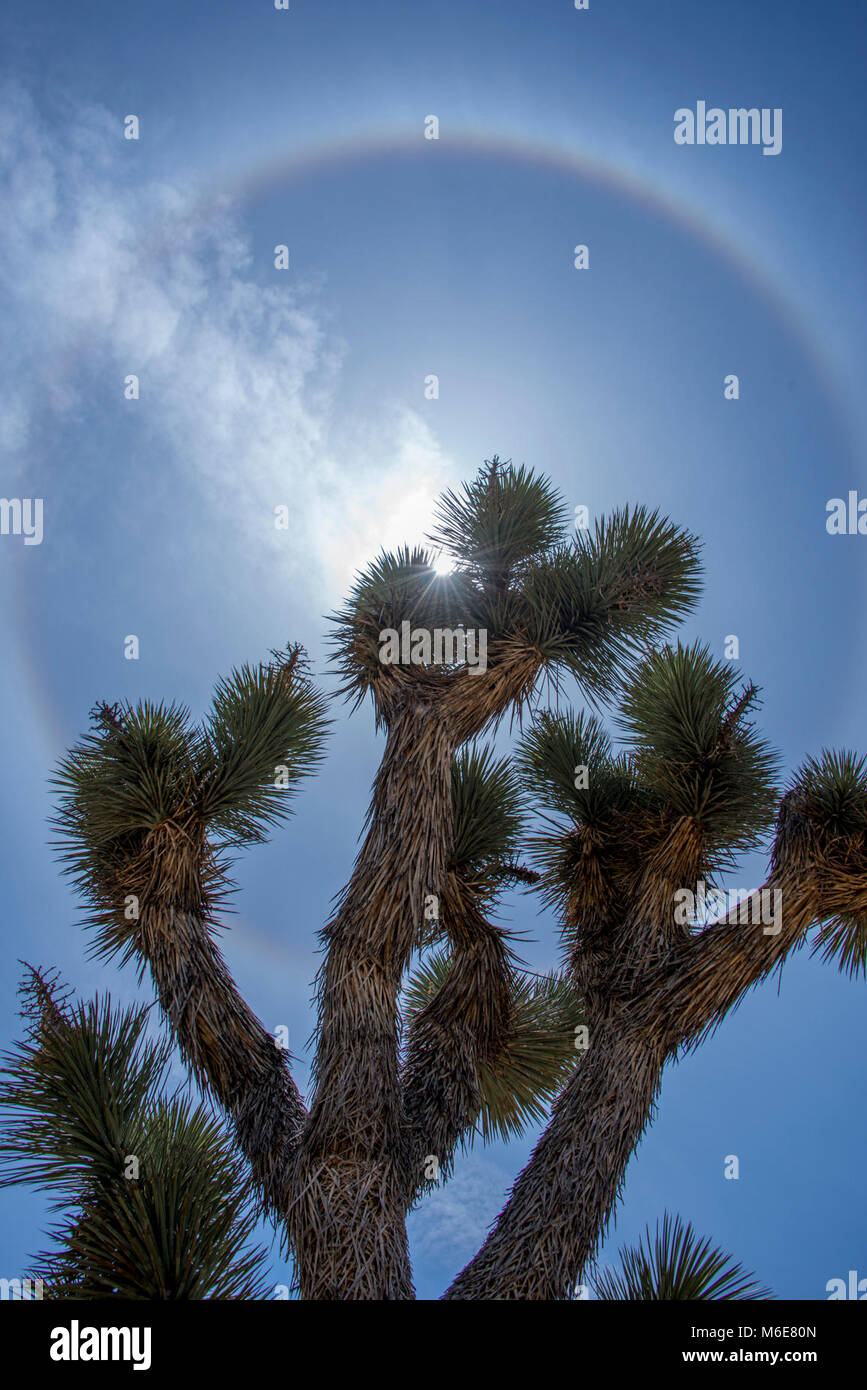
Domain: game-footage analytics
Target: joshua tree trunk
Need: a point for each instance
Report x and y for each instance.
(347, 1217)
(229, 1051)
(359, 1165)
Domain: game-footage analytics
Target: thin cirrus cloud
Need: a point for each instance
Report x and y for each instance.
(451, 1223)
(107, 273)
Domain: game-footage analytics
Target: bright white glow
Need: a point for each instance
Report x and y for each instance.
(403, 520)
(388, 505)
(444, 564)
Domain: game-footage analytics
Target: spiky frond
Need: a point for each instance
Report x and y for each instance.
(675, 1263)
(140, 767)
(145, 796)
(844, 939)
(180, 1231)
(697, 750)
(567, 762)
(75, 1091)
(265, 733)
(594, 605)
(833, 792)
(126, 776)
(156, 1203)
(425, 981)
(520, 1081)
(650, 568)
(503, 518)
(398, 586)
(584, 607)
(830, 794)
(488, 815)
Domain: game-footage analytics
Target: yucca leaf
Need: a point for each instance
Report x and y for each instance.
(156, 1202)
(488, 815)
(396, 587)
(696, 749)
(593, 606)
(520, 1082)
(830, 794)
(265, 733)
(494, 524)
(560, 753)
(675, 1263)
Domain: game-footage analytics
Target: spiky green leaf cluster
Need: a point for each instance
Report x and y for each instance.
(81, 1098)
(698, 780)
(147, 769)
(675, 1263)
(125, 777)
(696, 749)
(831, 797)
(505, 517)
(399, 586)
(833, 793)
(554, 756)
(594, 605)
(488, 814)
(584, 606)
(588, 857)
(264, 734)
(519, 1083)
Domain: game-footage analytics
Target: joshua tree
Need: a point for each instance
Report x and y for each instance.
(156, 1202)
(173, 1219)
(409, 1067)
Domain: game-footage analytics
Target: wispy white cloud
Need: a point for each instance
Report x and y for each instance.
(106, 273)
(384, 506)
(451, 1223)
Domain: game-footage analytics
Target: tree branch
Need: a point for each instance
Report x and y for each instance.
(227, 1048)
(559, 1207)
(561, 1202)
(463, 1026)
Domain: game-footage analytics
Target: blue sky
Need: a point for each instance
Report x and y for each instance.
(453, 257)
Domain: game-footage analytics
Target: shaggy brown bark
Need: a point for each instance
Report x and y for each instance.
(566, 1193)
(358, 1166)
(707, 976)
(464, 1026)
(347, 1215)
(227, 1048)
(558, 1209)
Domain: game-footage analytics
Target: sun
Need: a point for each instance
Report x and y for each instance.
(444, 564)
